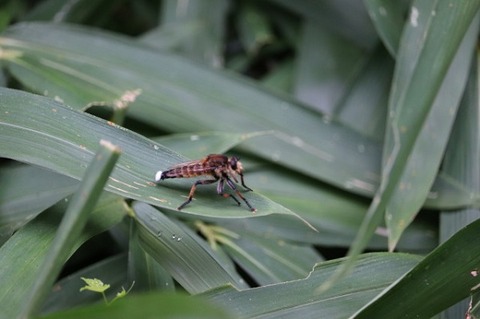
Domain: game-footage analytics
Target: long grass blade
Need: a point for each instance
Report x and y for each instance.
(71, 226)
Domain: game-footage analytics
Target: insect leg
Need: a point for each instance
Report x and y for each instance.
(243, 183)
(234, 188)
(220, 192)
(194, 187)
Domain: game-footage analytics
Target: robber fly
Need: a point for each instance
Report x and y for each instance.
(222, 168)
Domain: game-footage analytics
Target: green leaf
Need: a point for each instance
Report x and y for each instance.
(281, 78)
(181, 252)
(337, 219)
(299, 299)
(338, 213)
(424, 100)
(22, 255)
(197, 145)
(254, 29)
(58, 10)
(420, 237)
(448, 193)
(363, 106)
(461, 164)
(439, 272)
(404, 130)
(388, 18)
(201, 39)
(322, 85)
(64, 140)
(69, 230)
(148, 274)
(81, 66)
(475, 308)
(28, 190)
(269, 259)
(334, 16)
(154, 305)
(65, 294)
(94, 285)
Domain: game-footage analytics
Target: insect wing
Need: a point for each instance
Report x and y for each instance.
(203, 166)
(215, 160)
(189, 163)
(212, 160)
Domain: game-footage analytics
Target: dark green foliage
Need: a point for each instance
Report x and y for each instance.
(357, 124)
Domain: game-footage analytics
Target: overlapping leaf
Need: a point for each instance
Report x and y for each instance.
(438, 273)
(428, 86)
(179, 96)
(185, 255)
(299, 298)
(28, 190)
(64, 140)
(21, 266)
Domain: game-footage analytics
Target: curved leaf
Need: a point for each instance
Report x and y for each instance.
(28, 190)
(82, 67)
(299, 299)
(424, 101)
(388, 18)
(147, 274)
(64, 141)
(333, 14)
(269, 259)
(153, 305)
(336, 219)
(197, 145)
(70, 228)
(22, 254)
(462, 164)
(439, 271)
(181, 252)
(405, 129)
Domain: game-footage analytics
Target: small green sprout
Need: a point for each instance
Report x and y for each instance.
(96, 285)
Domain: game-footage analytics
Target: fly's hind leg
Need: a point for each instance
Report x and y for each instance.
(194, 187)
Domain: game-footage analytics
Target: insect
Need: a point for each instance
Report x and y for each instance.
(222, 168)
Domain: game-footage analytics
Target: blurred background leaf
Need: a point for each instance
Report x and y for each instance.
(301, 91)
(178, 96)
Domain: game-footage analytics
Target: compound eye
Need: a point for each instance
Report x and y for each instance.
(233, 163)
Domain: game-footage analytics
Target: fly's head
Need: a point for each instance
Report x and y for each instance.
(235, 167)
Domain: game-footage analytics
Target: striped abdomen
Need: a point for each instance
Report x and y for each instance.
(187, 171)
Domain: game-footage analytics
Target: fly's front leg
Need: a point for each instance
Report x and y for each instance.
(243, 183)
(194, 187)
(234, 188)
(220, 192)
